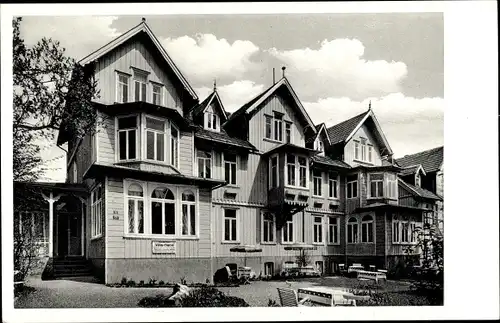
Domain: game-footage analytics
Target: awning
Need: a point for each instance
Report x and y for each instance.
(97, 170)
(246, 249)
(301, 247)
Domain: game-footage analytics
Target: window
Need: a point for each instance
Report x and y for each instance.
(204, 159)
(367, 229)
(269, 121)
(333, 230)
(392, 186)
(290, 168)
(269, 268)
(162, 211)
(268, 231)
(356, 150)
(278, 127)
(127, 138)
(352, 186)
(318, 229)
(157, 97)
(155, 139)
(303, 172)
(318, 145)
(333, 183)
(135, 201)
(288, 232)
(122, 90)
(413, 232)
(376, 185)
(230, 225)
(405, 230)
(230, 168)
(370, 153)
(140, 87)
(363, 151)
(352, 230)
(395, 229)
(273, 172)
(96, 212)
(211, 121)
(288, 132)
(75, 173)
(188, 213)
(174, 146)
(317, 183)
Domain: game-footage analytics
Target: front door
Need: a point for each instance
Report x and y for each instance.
(70, 234)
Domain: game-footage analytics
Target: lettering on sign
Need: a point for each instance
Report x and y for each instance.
(116, 217)
(164, 247)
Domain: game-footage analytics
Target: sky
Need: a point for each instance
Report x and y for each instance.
(337, 64)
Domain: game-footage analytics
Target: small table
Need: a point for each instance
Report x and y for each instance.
(328, 296)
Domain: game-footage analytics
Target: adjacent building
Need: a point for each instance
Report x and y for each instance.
(170, 183)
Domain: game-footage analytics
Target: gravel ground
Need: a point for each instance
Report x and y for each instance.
(86, 293)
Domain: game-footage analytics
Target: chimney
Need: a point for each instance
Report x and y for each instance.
(274, 77)
(283, 69)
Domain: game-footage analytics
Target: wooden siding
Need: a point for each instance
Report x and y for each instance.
(120, 246)
(186, 152)
(106, 139)
(361, 248)
(134, 54)
(257, 124)
(364, 132)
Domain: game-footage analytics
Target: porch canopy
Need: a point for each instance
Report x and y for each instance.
(302, 247)
(246, 249)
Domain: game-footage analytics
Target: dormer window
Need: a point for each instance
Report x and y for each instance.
(318, 145)
(212, 121)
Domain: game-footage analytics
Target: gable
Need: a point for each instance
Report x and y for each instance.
(431, 160)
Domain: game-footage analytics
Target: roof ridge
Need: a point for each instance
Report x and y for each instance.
(422, 152)
(358, 115)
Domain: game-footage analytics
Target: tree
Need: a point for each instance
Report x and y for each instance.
(52, 93)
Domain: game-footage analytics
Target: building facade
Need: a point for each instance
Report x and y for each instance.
(168, 185)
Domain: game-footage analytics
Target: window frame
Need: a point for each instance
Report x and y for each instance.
(160, 93)
(208, 118)
(297, 168)
(271, 170)
(128, 197)
(144, 88)
(235, 163)
(171, 146)
(271, 125)
(189, 216)
(318, 230)
(288, 132)
(166, 137)
(237, 224)
(349, 187)
(384, 189)
(350, 228)
(96, 220)
(197, 169)
(118, 83)
(336, 238)
(365, 226)
(320, 186)
(263, 223)
(138, 137)
(287, 224)
(336, 184)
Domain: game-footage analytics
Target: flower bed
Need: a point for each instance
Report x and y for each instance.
(161, 284)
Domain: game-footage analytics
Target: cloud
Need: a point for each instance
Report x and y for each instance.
(343, 71)
(410, 124)
(80, 35)
(233, 95)
(205, 57)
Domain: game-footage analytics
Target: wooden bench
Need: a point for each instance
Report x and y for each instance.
(371, 275)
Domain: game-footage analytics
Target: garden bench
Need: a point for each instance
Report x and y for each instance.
(371, 275)
(288, 298)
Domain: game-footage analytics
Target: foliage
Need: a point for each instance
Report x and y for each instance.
(202, 297)
(50, 93)
(131, 283)
(124, 281)
(161, 283)
(152, 281)
(273, 303)
(22, 290)
(26, 256)
(303, 259)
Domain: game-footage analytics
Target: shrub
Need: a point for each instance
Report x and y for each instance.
(152, 282)
(159, 300)
(131, 283)
(183, 280)
(141, 283)
(272, 303)
(124, 281)
(161, 283)
(211, 297)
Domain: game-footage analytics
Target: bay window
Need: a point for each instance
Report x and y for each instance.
(333, 185)
(367, 229)
(135, 202)
(317, 183)
(290, 169)
(230, 225)
(352, 186)
(127, 137)
(268, 227)
(318, 229)
(296, 172)
(204, 160)
(352, 230)
(333, 230)
(382, 185)
(188, 213)
(404, 231)
(230, 168)
(174, 146)
(376, 185)
(287, 232)
(303, 171)
(140, 86)
(392, 186)
(155, 139)
(163, 216)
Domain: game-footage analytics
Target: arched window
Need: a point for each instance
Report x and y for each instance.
(352, 230)
(135, 200)
(162, 211)
(367, 229)
(188, 213)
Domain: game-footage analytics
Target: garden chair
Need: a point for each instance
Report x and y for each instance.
(288, 298)
(351, 299)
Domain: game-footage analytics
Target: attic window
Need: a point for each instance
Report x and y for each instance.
(212, 121)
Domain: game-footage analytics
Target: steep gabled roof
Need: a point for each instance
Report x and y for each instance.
(418, 191)
(319, 128)
(222, 137)
(344, 131)
(256, 102)
(430, 160)
(325, 160)
(201, 107)
(142, 27)
(412, 170)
